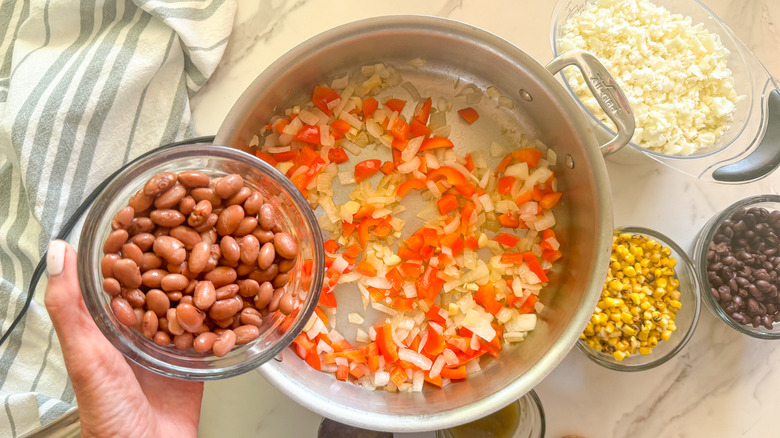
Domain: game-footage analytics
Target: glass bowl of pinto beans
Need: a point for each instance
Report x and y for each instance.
(649, 305)
(737, 257)
(200, 262)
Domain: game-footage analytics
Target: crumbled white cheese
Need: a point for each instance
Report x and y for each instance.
(673, 72)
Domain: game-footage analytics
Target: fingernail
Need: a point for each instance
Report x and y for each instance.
(55, 257)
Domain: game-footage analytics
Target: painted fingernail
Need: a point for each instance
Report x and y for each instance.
(55, 257)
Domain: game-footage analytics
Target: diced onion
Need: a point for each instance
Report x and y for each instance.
(411, 148)
(437, 366)
(409, 166)
(449, 357)
(408, 86)
(415, 358)
(381, 378)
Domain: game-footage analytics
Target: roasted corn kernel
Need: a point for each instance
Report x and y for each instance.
(639, 299)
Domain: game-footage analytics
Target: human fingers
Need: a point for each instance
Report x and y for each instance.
(178, 401)
(93, 364)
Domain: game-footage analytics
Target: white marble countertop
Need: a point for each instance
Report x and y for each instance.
(721, 384)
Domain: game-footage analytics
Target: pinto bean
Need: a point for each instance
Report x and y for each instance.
(194, 179)
(229, 186)
(229, 220)
(159, 183)
(123, 218)
(285, 245)
(224, 343)
(128, 273)
(115, 240)
(171, 197)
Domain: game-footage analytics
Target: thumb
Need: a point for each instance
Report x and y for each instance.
(79, 337)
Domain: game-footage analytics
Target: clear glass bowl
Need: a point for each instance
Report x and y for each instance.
(277, 332)
(686, 318)
(523, 418)
(701, 247)
(731, 159)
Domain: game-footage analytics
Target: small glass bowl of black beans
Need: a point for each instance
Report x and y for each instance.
(738, 263)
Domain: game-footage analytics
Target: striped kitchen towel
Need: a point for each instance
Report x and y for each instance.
(85, 86)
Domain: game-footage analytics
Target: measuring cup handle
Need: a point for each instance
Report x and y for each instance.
(606, 91)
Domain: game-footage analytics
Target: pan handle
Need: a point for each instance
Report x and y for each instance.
(606, 91)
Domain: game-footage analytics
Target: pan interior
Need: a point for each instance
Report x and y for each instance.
(455, 56)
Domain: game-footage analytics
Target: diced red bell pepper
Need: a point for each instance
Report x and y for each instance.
(433, 314)
(398, 376)
(429, 285)
(512, 258)
(454, 373)
(327, 299)
(507, 239)
(364, 211)
(313, 359)
(509, 221)
(395, 278)
(342, 372)
(417, 129)
(433, 380)
(436, 142)
(385, 343)
(531, 156)
(282, 157)
(549, 200)
(396, 104)
(469, 114)
(309, 134)
(447, 204)
(505, 184)
(370, 104)
(406, 253)
(430, 236)
(348, 228)
(331, 246)
(365, 169)
(403, 304)
(364, 228)
(453, 176)
(322, 97)
(400, 129)
(454, 242)
(415, 241)
(486, 297)
(412, 270)
(528, 305)
(467, 190)
(387, 167)
(338, 155)
(365, 268)
(422, 112)
(523, 198)
(435, 343)
(471, 242)
(551, 255)
(266, 157)
(414, 183)
(341, 126)
(504, 163)
(469, 163)
(534, 266)
(466, 215)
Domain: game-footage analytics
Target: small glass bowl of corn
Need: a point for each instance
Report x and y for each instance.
(649, 305)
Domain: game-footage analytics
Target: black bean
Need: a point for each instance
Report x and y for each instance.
(743, 266)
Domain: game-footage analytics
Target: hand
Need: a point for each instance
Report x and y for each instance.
(115, 397)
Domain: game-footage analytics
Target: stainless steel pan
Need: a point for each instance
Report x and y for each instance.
(457, 54)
